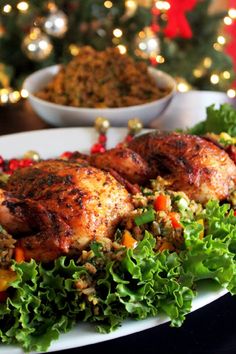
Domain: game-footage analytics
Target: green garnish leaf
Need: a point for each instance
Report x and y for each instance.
(145, 217)
(217, 121)
(46, 300)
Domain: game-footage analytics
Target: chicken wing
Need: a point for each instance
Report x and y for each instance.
(126, 162)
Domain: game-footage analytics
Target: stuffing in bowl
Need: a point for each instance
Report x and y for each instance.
(104, 83)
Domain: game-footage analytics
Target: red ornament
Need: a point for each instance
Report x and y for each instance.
(177, 25)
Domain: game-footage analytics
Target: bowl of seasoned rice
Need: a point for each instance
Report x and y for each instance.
(99, 84)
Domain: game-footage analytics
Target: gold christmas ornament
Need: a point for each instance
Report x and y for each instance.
(101, 125)
(37, 45)
(32, 155)
(147, 44)
(56, 23)
(135, 126)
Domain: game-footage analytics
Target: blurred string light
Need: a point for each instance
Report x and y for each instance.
(232, 13)
(231, 93)
(117, 32)
(14, 96)
(207, 62)
(214, 78)
(22, 6)
(74, 49)
(7, 8)
(226, 75)
(162, 5)
(122, 48)
(24, 93)
(4, 96)
(228, 21)
(218, 45)
(130, 9)
(8, 95)
(182, 85)
(160, 59)
(108, 4)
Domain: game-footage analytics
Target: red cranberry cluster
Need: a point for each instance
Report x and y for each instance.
(100, 146)
(9, 166)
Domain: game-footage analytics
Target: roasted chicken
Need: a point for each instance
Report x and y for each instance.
(191, 164)
(56, 207)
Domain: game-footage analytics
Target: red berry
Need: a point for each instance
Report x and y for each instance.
(128, 138)
(66, 155)
(25, 162)
(13, 164)
(102, 139)
(97, 148)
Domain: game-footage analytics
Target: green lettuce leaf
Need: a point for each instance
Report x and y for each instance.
(217, 121)
(46, 301)
(212, 257)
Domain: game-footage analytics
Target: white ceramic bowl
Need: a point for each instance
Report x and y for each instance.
(60, 115)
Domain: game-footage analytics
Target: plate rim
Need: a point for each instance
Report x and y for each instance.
(141, 325)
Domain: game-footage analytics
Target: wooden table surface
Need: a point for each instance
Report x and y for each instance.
(19, 117)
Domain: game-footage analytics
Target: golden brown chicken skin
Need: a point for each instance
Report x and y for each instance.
(126, 162)
(192, 164)
(66, 205)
